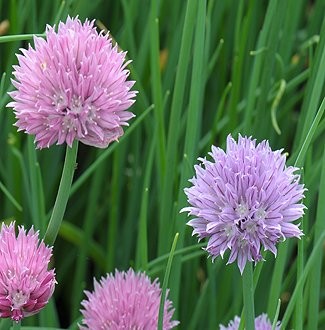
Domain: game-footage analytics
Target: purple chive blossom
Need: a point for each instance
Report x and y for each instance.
(126, 300)
(72, 86)
(262, 322)
(243, 199)
(26, 285)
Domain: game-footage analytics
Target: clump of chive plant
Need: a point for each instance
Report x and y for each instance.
(125, 300)
(244, 199)
(26, 284)
(72, 86)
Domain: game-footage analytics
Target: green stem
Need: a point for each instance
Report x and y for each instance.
(19, 37)
(63, 194)
(316, 276)
(301, 281)
(248, 292)
(165, 282)
(277, 278)
(16, 325)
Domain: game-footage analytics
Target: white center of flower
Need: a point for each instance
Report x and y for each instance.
(260, 214)
(58, 100)
(244, 222)
(92, 113)
(19, 299)
(250, 227)
(76, 104)
(228, 231)
(68, 124)
(242, 210)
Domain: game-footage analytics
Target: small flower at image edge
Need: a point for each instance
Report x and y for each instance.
(72, 86)
(126, 300)
(244, 199)
(262, 322)
(26, 284)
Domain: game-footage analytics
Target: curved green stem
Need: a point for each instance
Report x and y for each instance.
(165, 282)
(63, 194)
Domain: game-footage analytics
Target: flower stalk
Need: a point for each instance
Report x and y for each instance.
(248, 292)
(16, 325)
(63, 194)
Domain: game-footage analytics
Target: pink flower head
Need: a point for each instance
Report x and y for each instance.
(262, 322)
(73, 85)
(25, 283)
(126, 300)
(243, 199)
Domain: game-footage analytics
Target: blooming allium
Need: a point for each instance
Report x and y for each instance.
(243, 199)
(25, 283)
(73, 85)
(262, 322)
(126, 300)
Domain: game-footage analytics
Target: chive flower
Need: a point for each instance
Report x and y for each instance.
(262, 322)
(72, 86)
(26, 284)
(126, 300)
(244, 199)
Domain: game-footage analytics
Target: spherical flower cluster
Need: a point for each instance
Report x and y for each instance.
(73, 85)
(243, 199)
(126, 300)
(26, 285)
(262, 322)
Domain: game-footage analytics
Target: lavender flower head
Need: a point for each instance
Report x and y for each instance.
(126, 300)
(243, 199)
(26, 285)
(72, 86)
(262, 322)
